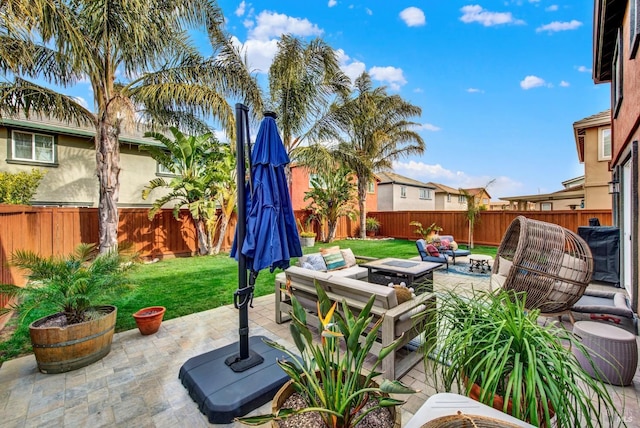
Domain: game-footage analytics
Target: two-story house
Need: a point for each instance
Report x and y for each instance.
(66, 153)
(399, 193)
(301, 183)
(570, 197)
(616, 60)
(593, 143)
(450, 199)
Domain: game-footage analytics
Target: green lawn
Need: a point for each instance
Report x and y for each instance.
(195, 284)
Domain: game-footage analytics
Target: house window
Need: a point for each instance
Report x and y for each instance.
(634, 27)
(163, 170)
(604, 144)
(403, 191)
(448, 197)
(425, 193)
(616, 73)
(485, 201)
(313, 178)
(461, 199)
(30, 147)
(545, 206)
(371, 187)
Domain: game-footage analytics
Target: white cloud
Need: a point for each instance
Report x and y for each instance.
(271, 24)
(565, 84)
(418, 90)
(413, 17)
(391, 75)
(353, 69)
(532, 82)
(552, 8)
(475, 13)
(260, 53)
(475, 91)
(428, 127)
(81, 101)
(556, 26)
(583, 69)
(241, 8)
(332, 3)
(368, 11)
(421, 171)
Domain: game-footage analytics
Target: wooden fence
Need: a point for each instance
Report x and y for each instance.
(57, 231)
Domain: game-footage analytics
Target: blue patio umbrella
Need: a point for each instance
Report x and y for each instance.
(266, 233)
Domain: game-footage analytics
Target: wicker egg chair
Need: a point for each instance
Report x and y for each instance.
(550, 263)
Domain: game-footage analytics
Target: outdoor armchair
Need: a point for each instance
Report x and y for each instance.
(421, 244)
(451, 252)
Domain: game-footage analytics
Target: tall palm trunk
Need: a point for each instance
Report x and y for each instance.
(362, 205)
(108, 171)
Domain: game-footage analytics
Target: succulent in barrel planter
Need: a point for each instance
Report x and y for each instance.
(149, 319)
(81, 332)
(329, 377)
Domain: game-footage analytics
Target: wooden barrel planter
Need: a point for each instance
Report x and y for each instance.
(62, 349)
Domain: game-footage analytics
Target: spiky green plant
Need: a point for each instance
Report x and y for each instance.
(330, 377)
(494, 341)
(72, 283)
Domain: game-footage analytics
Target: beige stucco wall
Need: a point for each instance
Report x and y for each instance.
(441, 203)
(389, 199)
(560, 204)
(596, 173)
(73, 180)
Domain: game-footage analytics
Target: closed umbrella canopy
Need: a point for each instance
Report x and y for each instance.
(272, 236)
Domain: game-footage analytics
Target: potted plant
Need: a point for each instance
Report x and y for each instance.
(81, 332)
(493, 349)
(428, 233)
(307, 235)
(372, 225)
(149, 319)
(329, 377)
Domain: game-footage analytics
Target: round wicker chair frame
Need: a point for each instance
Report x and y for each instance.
(550, 263)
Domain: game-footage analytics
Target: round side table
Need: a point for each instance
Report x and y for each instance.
(613, 350)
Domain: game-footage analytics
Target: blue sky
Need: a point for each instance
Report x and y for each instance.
(500, 83)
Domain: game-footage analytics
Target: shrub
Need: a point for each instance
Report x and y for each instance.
(19, 188)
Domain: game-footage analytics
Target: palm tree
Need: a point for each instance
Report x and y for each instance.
(143, 42)
(331, 197)
(474, 208)
(303, 78)
(372, 129)
(192, 160)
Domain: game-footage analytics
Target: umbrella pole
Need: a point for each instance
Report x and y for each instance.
(243, 296)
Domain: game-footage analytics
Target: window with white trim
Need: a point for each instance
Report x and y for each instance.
(485, 201)
(461, 199)
(371, 187)
(425, 193)
(32, 147)
(448, 197)
(545, 206)
(163, 170)
(604, 144)
(403, 191)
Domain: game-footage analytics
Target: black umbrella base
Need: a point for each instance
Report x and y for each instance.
(223, 394)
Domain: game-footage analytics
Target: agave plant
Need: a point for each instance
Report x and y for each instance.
(73, 283)
(330, 375)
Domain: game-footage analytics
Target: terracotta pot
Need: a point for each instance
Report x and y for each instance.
(149, 319)
(62, 349)
(287, 389)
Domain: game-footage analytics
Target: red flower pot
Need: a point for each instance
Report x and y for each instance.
(149, 319)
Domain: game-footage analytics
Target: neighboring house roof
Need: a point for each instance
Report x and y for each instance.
(572, 182)
(607, 18)
(475, 191)
(393, 178)
(441, 188)
(580, 127)
(569, 193)
(47, 124)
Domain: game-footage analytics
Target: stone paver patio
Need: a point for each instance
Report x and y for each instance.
(137, 384)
